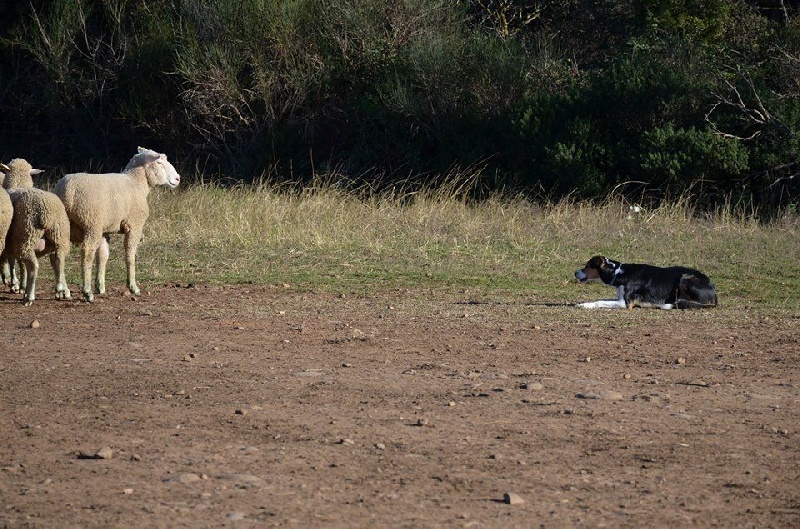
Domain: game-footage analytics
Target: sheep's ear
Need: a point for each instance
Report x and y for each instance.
(34, 172)
(149, 157)
(4, 167)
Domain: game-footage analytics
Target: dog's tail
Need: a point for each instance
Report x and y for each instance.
(695, 292)
(692, 304)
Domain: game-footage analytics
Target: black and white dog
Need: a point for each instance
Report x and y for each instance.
(642, 285)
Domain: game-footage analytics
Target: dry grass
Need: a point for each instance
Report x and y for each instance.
(329, 239)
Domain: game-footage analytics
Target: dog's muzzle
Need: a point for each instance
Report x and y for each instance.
(580, 275)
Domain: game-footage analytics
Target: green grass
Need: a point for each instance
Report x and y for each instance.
(325, 239)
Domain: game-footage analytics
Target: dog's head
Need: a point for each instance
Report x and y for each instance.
(597, 269)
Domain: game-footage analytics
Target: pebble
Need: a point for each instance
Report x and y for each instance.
(309, 373)
(105, 453)
(680, 360)
(127, 492)
(603, 395)
(35, 324)
(533, 386)
(380, 446)
(512, 499)
(611, 395)
(240, 412)
(235, 516)
(102, 453)
(242, 480)
(184, 478)
(346, 441)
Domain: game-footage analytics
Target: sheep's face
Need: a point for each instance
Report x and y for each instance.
(158, 170)
(163, 173)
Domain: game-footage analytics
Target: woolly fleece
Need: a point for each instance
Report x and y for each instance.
(39, 215)
(99, 205)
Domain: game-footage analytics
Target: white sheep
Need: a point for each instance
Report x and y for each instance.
(101, 204)
(39, 216)
(6, 213)
(17, 174)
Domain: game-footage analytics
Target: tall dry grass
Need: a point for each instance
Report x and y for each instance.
(324, 237)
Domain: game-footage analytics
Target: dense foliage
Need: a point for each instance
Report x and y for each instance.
(560, 97)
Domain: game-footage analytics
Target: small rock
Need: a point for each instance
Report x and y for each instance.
(533, 386)
(611, 395)
(587, 359)
(243, 481)
(136, 457)
(183, 478)
(346, 441)
(235, 516)
(380, 446)
(240, 412)
(35, 324)
(127, 492)
(512, 499)
(680, 360)
(104, 453)
(422, 422)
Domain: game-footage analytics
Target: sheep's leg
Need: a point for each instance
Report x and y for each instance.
(88, 249)
(21, 280)
(10, 277)
(57, 260)
(31, 265)
(131, 243)
(102, 260)
(5, 269)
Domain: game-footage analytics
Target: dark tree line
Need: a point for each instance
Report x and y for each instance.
(561, 97)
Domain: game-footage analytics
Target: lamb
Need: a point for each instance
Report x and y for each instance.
(39, 216)
(17, 174)
(99, 205)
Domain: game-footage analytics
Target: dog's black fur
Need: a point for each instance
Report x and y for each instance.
(645, 285)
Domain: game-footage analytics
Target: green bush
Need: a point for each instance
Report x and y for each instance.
(562, 97)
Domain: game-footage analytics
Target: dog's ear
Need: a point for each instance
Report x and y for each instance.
(597, 262)
(608, 264)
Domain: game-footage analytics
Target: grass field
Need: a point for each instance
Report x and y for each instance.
(326, 239)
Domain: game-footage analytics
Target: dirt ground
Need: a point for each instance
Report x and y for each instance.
(209, 406)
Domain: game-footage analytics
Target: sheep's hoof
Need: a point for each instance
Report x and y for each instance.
(63, 294)
(27, 302)
(88, 297)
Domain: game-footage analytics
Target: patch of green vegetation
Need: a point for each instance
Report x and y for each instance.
(500, 248)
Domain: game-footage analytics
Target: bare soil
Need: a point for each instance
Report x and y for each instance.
(260, 405)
